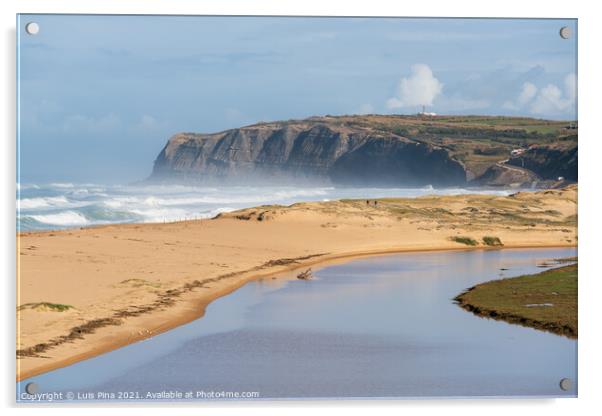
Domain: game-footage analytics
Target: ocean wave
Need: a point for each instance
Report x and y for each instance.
(176, 214)
(160, 214)
(62, 205)
(43, 202)
(154, 201)
(64, 218)
(222, 198)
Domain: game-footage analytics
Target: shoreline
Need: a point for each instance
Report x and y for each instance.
(114, 285)
(203, 304)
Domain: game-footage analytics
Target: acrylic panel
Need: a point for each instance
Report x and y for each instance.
(252, 208)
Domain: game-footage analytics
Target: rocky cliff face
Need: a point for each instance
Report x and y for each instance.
(550, 161)
(504, 175)
(312, 150)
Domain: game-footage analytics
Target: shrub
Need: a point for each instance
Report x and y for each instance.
(465, 240)
(492, 241)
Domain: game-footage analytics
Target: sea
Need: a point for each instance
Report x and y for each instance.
(68, 205)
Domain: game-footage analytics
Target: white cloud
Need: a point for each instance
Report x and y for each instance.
(570, 86)
(420, 88)
(549, 100)
(552, 100)
(528, 92)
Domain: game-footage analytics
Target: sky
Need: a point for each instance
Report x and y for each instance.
(99, 96)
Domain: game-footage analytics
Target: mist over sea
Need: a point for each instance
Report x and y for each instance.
(67, 205)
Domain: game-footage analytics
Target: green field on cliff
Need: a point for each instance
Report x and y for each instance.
(477, 141)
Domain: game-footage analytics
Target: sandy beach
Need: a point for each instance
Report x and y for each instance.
(82, 292)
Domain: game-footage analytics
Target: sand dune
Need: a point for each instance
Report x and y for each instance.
(86, 291)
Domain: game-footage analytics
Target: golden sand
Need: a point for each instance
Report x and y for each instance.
(124, 283)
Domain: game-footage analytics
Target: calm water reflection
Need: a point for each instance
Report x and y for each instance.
(378, 327)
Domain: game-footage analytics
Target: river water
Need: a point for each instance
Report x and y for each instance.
(378, 327)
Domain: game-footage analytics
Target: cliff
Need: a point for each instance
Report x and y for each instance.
(307, 151)
(549, 161)
(503, 175)
(371, 150)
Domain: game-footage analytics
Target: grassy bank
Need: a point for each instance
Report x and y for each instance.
(546, 301)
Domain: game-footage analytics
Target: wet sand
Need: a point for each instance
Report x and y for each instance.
(125, 283)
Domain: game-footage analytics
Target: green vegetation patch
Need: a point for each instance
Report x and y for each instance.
(45, 307)
(545, 301)
(492, 241)
(464, 240)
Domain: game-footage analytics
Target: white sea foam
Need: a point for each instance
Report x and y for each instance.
(67, 204)
(155, 201)
(113, 203)
(64, 218)
(177, 214)
(43, 202)
(160, 214)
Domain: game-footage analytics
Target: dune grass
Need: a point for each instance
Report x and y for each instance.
(45, 306)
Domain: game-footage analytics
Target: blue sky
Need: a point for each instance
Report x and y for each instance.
(101, 95)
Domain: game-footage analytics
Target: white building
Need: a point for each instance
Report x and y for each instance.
(425, 113)
(517, 152)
